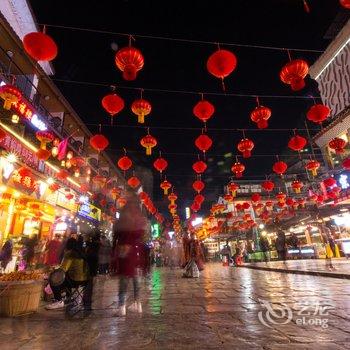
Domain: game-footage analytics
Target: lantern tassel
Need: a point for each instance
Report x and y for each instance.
(223, 85)
(141, 118)
(306, 6)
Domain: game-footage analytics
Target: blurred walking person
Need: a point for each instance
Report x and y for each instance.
(130, 230)
(104, 255)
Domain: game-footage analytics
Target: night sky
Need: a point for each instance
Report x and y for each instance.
(172, 65)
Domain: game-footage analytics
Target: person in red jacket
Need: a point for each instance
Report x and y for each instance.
(129, 233)
(53, 251)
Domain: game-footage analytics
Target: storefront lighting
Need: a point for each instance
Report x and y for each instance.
(3, 188)
(16, 194)
(63, 163)
(54, 151)
(50, 181)
(42, 187)
(261, 226)
(12, 158)
(344, 209)
(15, 119)
(7, 168)
(69, 155)
(68, 164)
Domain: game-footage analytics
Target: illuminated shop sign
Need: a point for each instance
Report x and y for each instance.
(24, 109)
(89, 211)
(26, 112)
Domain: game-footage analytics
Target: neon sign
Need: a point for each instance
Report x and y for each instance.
(26, 111)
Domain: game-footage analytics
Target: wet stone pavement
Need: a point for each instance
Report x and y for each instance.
(226, 308)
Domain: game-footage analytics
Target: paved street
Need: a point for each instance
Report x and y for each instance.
(217, 311)
(341, 266)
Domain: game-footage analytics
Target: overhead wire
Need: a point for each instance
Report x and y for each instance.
(183, 40)
(188, 92)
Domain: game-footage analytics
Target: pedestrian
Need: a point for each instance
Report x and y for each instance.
(6, 253)
(328, 241)
(29, 245)
(104, 255)
(91, 253)
(52, 257)
(280, 245)
(76, 269)
(265, 248)
(130, 230)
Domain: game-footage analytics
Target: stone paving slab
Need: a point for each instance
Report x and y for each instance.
(312, 267)
(220, 310)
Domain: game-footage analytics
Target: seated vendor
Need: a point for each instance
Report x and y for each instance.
(75, 266)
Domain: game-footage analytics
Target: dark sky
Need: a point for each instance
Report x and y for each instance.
(87, 56)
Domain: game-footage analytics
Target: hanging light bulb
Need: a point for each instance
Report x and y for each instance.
(15, 118)
(68, 164)
(69, 155)
(88, 171)
(63, 163)
(76, 172)
(54, 151)
(88, 179)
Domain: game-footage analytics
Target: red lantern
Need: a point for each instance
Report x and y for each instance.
(337, 144)
(44, 137)
(141, 108)
(62, 174)
(232, 187)
(199, 199)
(245, 205)
(195, 207)
(329, 182)
(203, 110)
(268, 185)
(148, 142)
(297, 143)
(312, 165)
(99, 180)
(221, 64)
(238, 169)
(40, 46)
(293, 74)
(124, 163)
(43, 154)
(346, 164)
(297, 186)
(280, 167)
(281, 197)
(199, 167)
(245, 146)
(165, 186)
(160, 164)
(260, 115)
(203, 142)
(112, 104)
(256, 197)
(99, 142)
(121, 202)
(228, 198)
(172, 197)
(318, 113)
(290, 201)
(129, 60)
(10, 94)
(134, 182)
(345, 4)
(198, 186)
